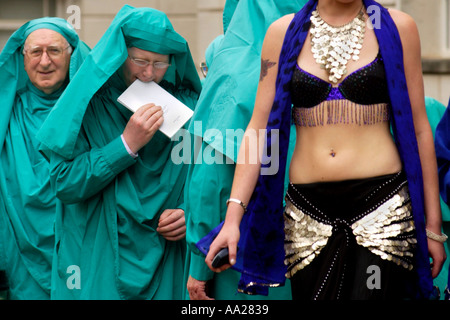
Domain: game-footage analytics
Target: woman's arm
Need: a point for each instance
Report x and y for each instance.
(246, 173)
(413, 71)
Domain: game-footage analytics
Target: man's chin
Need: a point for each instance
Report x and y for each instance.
(47, 87)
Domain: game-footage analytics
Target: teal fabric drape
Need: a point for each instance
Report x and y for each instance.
(28, 205)
(107, 243)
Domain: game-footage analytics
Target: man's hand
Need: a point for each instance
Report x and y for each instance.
(172, 225)
(142, 126)
(197, 289)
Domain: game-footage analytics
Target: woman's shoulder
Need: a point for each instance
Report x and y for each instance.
(284, 21)
(404, 22)
(407, 28)
(280, 26)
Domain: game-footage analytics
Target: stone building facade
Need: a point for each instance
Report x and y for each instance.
(200, 21)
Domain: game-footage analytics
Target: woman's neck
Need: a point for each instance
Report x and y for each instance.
(339, 12)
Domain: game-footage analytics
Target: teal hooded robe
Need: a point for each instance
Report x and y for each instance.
(107, 246)
(226, 103)
(27, 205)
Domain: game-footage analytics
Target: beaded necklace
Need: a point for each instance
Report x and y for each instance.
(334, 46)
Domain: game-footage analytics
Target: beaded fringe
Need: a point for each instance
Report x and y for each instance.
(340, 112)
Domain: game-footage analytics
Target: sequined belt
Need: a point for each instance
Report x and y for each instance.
(382, 223)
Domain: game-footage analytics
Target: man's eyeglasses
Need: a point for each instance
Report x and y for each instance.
(54, 52)
(204, 68)
(144, 63)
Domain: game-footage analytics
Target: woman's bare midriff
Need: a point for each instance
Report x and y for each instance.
(343, 151)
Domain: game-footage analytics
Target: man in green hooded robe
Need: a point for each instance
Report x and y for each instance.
(36, 64)
(221, 116)
(120, 228)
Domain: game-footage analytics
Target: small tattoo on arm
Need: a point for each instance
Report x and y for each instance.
(265, 66)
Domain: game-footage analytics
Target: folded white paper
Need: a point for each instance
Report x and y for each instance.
(175, 113)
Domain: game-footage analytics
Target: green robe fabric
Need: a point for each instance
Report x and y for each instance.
(228, 12)
(226, 103)
(435, 111)
(27, 205)
(107, 246)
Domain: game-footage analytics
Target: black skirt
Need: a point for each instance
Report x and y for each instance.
(351, 240)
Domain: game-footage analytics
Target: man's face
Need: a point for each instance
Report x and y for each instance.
(46, 59)
(135, 68)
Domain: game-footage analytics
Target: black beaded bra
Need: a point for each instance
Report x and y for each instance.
(362, 97)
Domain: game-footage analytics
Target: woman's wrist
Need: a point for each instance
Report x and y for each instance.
(234, 214)
(434, 225)
(239, 202)
(439, 237)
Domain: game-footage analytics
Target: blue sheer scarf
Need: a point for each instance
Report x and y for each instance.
(261, 248)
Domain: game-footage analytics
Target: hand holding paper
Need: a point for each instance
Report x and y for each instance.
(142, 126)
(175, 113)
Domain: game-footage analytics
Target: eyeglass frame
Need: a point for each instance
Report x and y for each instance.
(147, 63)
(204, 68)
(24, 52)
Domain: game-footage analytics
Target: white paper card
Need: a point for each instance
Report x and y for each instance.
(175, 113)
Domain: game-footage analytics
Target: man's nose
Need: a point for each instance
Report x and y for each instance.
(149, 71)
(45, 59)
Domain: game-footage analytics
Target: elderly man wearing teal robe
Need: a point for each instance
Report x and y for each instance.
(35, 66)
(224, 108)
(120, 229)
